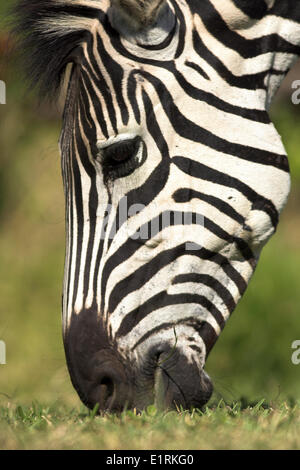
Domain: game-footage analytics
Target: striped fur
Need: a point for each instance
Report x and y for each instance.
(193, 106)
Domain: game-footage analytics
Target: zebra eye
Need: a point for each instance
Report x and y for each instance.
(121, 158)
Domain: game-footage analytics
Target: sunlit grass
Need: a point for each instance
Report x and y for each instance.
(260, 426)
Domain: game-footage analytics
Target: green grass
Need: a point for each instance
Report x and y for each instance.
(221, 427)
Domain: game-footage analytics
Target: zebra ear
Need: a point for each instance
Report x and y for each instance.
(139, 14)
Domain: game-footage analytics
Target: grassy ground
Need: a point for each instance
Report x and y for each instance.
(220, 427)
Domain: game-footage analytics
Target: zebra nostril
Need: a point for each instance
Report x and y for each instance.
(106, 393)
(109, 384)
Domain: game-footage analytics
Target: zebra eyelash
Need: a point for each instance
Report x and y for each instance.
(122, 158)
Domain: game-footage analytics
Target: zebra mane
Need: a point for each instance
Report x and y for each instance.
(48, 31)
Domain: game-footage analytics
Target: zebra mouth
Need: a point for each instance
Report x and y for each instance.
(176, 382)
(163, 390)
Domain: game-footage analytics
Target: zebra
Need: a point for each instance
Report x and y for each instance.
(174, 179)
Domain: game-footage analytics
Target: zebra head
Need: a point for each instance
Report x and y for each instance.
(174, 179)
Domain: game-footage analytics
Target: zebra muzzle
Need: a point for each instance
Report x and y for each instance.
(179, 383)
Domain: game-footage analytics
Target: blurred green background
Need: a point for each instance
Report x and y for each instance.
(252, 358)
